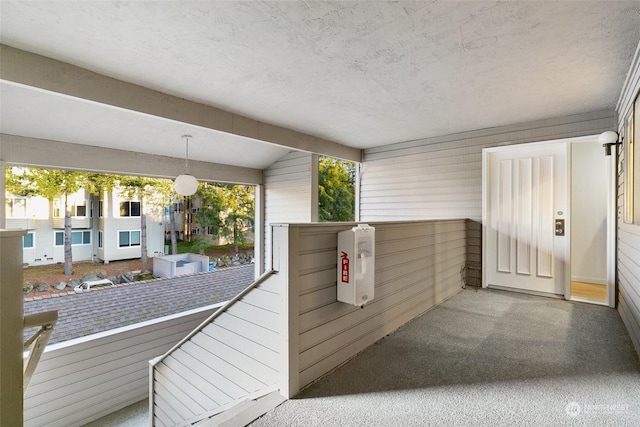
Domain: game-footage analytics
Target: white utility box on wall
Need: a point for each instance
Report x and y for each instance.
(356, 265)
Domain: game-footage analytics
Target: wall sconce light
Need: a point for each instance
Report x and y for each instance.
(186, 184)
(607, 139)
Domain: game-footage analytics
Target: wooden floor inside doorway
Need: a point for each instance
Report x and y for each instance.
(589, 291)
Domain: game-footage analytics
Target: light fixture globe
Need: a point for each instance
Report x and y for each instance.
(608, 137)
(186, 185)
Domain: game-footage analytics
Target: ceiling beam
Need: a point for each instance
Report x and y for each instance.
(25, 151)
(33, 70)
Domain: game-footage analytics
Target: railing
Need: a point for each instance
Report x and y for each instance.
(77, 222)
(230, 357)
(45, 322)
(109, 369)
(25, 223)
(211, 318)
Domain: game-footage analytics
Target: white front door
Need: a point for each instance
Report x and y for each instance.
(526, 199)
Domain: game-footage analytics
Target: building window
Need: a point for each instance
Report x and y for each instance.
(56, 209)
(100, 239)
(129, 208)
(78, 210)
(17, 207)
(77, 238)
(128, 238)
(100, 208)
(28, 240)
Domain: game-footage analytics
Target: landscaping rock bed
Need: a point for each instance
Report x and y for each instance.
(49, 280)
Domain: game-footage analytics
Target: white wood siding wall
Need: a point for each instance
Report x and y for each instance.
(439, 178)
(84, 379)
(628, 234)
(237, 353)
(417, 266)
(290, 193)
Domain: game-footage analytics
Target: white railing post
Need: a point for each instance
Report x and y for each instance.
(11, 319)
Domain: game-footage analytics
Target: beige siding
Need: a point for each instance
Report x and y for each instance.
(417, 266)
(288, 329)
(289, 193)
(76, 222)
(110, 238)
(628, 234)
(81, 380)
(232, 355)
(441, 177)
(112, 223)
(25, 223)
(629, 280)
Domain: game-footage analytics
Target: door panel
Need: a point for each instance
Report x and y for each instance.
(526, 192)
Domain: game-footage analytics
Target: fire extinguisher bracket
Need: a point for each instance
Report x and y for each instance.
(356, 265)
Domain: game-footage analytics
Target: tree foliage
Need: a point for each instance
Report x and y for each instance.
(49, 183)
(52, 183)
(227, 209)
(336, 182)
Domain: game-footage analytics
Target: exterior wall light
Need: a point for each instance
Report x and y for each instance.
(607, 139)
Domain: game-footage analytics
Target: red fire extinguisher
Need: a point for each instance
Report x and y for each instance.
(345, 267)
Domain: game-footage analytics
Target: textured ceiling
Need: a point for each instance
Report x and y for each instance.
(363, 74)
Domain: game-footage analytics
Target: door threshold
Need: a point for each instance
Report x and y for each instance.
(589, 301)
(526, 291)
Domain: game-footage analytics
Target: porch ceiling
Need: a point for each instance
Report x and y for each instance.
(361, 74)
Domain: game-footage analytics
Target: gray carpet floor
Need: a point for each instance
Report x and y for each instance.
(483, 358)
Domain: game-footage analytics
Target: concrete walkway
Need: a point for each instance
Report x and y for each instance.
(485, 358)
(105, 308)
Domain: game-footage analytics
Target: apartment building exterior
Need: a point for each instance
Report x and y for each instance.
(103, 229)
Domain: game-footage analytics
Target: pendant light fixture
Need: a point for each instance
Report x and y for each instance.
(186, 184)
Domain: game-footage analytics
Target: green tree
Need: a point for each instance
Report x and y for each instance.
(227, 209)
(49, 183)
(212, 207)
(241, 211)
(336, 182)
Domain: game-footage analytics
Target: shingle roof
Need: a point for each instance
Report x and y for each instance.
(102, 309)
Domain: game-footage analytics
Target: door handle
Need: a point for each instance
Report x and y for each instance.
(559, 227)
